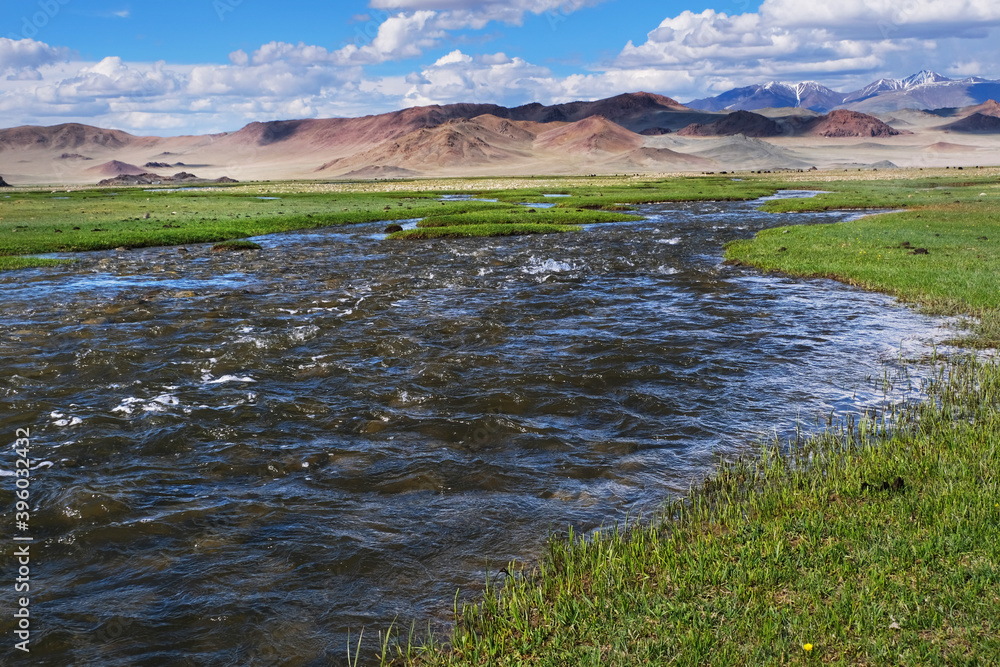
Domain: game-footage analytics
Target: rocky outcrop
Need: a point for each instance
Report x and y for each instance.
(148, 178)
(747, 123)
(844, 123)
(3, 183)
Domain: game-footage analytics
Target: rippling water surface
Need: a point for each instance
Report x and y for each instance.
(240, 457)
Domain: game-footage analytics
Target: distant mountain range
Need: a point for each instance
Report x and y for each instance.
(629, 133)
(923, 90)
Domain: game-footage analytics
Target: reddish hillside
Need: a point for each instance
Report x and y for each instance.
(842, 123)
(327, 133)
(593, 134)
(357, 133)
(987, 108)
(116, 168)
(484, 139)
(747, 123)
(491, 141)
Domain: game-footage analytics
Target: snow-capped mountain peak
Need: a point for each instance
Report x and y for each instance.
(925, 89)
(924, 77)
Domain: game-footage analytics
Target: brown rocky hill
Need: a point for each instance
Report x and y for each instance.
(116, 168)
(842, 123)
(490, 142)
(62, 137)
(453, 144)
(747, 123)
(589, 135)
(987, 108)
(628, 110)
(977, 123)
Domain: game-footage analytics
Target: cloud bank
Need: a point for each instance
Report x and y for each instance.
(844, 45)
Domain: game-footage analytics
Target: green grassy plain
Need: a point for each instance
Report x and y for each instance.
(38, 222)
(941, 252)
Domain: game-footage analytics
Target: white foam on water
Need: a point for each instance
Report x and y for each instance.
(60, 419)
(304, 333)
(130, 404)
(208, 379)
(161, 403)
(536, 266)
(674, 241)
(125, 407)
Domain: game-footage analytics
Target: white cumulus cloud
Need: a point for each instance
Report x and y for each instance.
(21, 58)
(843, 41)
(472, 14)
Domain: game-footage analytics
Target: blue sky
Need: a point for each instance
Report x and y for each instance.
(195, 66)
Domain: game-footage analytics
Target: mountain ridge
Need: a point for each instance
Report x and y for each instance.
(632, 132)
(922, 90)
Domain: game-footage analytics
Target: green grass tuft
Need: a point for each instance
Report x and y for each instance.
(236, 246)
(13, 263)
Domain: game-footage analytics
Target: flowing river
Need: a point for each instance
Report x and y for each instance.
(239, 458)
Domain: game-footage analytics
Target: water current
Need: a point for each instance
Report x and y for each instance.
(240, 457)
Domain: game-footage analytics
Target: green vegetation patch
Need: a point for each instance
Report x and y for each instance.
(915, 192)
(11, 263)
(941, 253)
(35, 222)
(526, 215)
(236, 246)
(947, 259)
(624, 196)
(869, 544)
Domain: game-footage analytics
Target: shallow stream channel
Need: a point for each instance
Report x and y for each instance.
(238, 458)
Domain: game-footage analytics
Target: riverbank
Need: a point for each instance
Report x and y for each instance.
(940, 252)
(873, 543)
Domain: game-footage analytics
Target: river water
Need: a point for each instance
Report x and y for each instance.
(238, 458)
